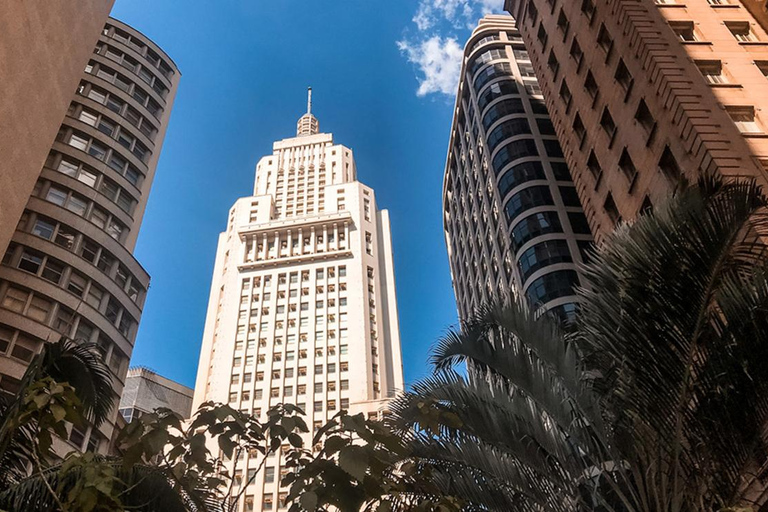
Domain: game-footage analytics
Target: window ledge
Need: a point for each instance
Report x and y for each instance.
(753, 43)
(725, 6)
(755, 135)
(671, 6)
(697, 43)
(725, 86)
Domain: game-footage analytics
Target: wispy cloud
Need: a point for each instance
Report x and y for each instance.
(439, 61)
(435, 50)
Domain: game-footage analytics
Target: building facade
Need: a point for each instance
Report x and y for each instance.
(43, 48)
(146, 391)
(69, 269)
(512, 219)
(644, 94)
(302, 307)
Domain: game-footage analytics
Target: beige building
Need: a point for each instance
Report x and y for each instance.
(643, 93)
(69, 269)
(302, 307)
(43, 48)
(146, 391)
(512, 219)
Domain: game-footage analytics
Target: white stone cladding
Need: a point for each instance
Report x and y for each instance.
(302, 299)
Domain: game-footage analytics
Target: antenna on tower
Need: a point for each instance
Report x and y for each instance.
(309, 100)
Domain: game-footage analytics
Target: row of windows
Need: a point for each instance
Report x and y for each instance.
(97, 181)
(56, 272)
(118, 106)
(41, 309)
(134, 67)
(552, 286)
(542, 255)
(81, 206)
(138, 45)
(126, 85)
(538, 195)
(258, 394)
(90, 251)
(95, 148)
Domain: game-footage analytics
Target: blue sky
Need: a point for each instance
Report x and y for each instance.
(383, 75)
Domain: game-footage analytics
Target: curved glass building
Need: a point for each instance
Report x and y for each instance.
(512, 218)
(69, 269)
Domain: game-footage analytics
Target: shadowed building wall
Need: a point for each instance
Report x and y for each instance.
(44, 46)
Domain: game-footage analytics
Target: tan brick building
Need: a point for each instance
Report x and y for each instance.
(645, 92)
(43, 48)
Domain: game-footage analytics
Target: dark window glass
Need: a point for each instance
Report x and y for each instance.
(493, 71)
(542, 255)
(570, 197)
(553, 148)
(507, 129)
(545, 127)
(501, 109)
(512, 151)
(501, 88)
(538, 106)
(519, 174)
(552, 286)
(579, 223)
(565, 313)
(585, 249)
(535, 225)
(526, 199)
(560, 170)
(485, 57)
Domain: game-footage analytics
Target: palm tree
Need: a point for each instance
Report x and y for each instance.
(66, 361)
(656, 401)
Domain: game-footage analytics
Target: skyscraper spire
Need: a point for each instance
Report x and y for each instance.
(308, 124)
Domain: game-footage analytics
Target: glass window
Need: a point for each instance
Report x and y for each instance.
(39, 309)
(507, 129)
(579, 223)
(115, 104)
(542, 255)
(77, 284)
(519, 174)
(53, 270)
(512, 151)
(552, 286)
(95, 294)
(526, 199)
(43, 228)
(99, 217)
(493, 71)
(501, 109)
(87, 177)
(77, 204)
(500, 88)
(31, 261)
(56, 196)
(535, 225)
(78, 142)
(97, 151)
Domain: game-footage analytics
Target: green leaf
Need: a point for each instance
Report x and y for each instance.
(308, 501)
(354, 460)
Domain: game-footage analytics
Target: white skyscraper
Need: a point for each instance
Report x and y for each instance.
(302, 307)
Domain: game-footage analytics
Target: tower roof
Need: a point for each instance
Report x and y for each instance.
(308, 124)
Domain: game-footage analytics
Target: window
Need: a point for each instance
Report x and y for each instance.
(594, 166)
(579, 129)
(684, 30)
(712, 71)
(590, 85)
(588, 8)
(644, 117)
(31, 261)
(741, 31)
(627, 166)
(668, 164)
(579, 223)
(496, 90)
(39, 308)
(606, 122)
(744, 118)
(553, 149)
(604, 39)
(507, 129)
(552, 63)
(575, 52)
(15, 299)
(76, 284)
(95, 294)
(520, 174)
(503, 108)
(512, 151)
(762, 65)
(610, 208)
(53, 270)
(542, 255)
(541, 35)
(533, 226)
(623, 76)
(526, 199)
(552, 286)
(562, 22)
(569, 196)
(565, 93)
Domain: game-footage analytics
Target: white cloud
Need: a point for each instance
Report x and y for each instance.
(436, 54)
(439, 62)
(458, 13)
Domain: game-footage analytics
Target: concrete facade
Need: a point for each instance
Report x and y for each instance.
(43, 48)
(302, 307)
(513, 223)
(646, 93)
(69, 269)
(146, 391)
